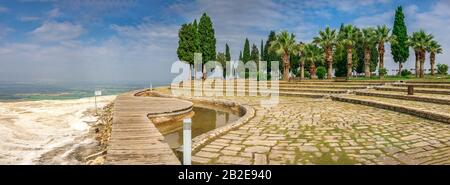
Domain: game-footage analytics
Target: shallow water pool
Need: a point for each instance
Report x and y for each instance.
(204, 120)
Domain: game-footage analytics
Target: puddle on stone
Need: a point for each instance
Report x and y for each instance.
(205, 119)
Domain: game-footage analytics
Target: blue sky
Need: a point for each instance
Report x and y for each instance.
(136, 40)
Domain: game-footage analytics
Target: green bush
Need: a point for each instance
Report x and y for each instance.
(307, 75)
(253, 74)
(383, 71)
(405, 72)
(442, 69)
(262, 76)
(321, 72)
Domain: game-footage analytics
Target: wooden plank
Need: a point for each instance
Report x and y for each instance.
(134, 138)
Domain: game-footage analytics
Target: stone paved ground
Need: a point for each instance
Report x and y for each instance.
(321, 131)
(440, 96)
(437, 108)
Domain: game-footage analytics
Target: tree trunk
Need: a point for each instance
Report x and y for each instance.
(421, 69)
(417, 64)
(381, 58)
(313, 71)
(349, 61)
(432, 60)
(224, 70)
(329, 53)
(330, 70)
(195, 71)
(422, 66)
(302, 72)
(204, 71)
(400, 66)
(190, 72)
(367, 62)
(286, 67)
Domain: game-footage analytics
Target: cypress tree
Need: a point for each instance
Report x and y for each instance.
(255, 54)
(221, 58)
(400, 49)
(373, 58)
(186, 49)
(227, 53)
(196, 37)
(295, 64)
(270, 55)
(340, 59)
(240, 55)
(261, 49)
(207, 40)
(246, 54)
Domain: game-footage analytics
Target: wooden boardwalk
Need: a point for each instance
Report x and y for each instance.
(134, 138)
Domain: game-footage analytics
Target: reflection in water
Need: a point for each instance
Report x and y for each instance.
(203, 121)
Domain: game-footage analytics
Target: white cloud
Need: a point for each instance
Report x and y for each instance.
(29, 18)
(432, 21)
(410, 10)
(385, 18)
(147, 49)
(323, 13)
(115, 59)
(248, 12)
(57, 31)
(305, 32)
(5, 30)
(236, 20)
(159, 39)
(352, 5)
(91, 11)
(45, 16)
(131, 55)
(50, 15)
(148, 31)
(348, 6)
(53, 13)
(3, 9)
(435, 21)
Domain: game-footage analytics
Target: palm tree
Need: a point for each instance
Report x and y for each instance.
(301, 52)
(313, 54)
(426, 40)
(348, 38)
(284, 45)
(327, 40)
(413, 41)
(382, 36)
(420, 41)
(367, 38)
(433, 48)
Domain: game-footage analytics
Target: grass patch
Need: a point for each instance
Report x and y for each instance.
(437, 78)
(327, 159)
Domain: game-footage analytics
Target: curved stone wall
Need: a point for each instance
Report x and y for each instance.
(247, 113)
